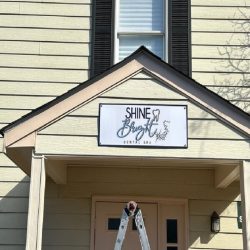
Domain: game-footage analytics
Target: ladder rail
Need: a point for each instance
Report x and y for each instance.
(142, 230)
(122, 230)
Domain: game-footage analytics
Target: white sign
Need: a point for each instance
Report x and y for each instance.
(143, 125)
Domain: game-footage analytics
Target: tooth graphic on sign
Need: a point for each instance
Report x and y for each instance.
(156, 113)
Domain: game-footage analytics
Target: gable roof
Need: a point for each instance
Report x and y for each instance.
(141, 60)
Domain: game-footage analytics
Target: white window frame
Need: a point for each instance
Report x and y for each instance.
(117, 33)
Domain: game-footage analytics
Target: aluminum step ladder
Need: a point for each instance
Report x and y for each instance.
(132, 210)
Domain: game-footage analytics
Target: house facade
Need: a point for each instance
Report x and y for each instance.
(68, 84)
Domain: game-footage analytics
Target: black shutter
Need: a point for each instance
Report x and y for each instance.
(179, 35)
(102, 36)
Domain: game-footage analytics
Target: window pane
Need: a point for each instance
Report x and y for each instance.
(141, 15)
(113, 223)
(128, 44)
(171, 231)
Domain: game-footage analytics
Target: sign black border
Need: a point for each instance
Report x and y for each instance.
(141, 146)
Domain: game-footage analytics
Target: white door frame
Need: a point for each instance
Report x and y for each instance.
(138, 199)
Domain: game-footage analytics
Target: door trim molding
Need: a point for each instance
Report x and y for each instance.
(153, 200)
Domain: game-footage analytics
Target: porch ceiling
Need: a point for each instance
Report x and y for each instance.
(225, 171)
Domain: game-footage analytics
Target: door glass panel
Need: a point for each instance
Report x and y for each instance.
(171, 231)
(172, 248)
(134, 225)
(113, 223)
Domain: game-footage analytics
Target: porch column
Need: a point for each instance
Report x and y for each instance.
(245, 201)
(36, 204)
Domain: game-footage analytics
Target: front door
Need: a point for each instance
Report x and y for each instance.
(165, 226)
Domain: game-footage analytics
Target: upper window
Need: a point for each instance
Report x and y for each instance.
(140, 22)
(163, 26)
